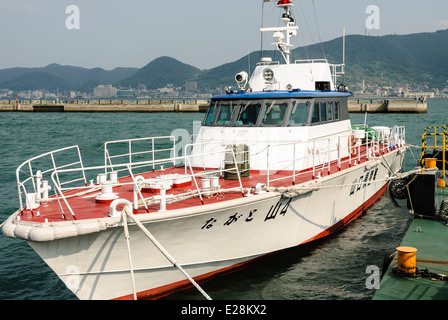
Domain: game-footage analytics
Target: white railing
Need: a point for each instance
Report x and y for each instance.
(44, 165)
(337, 70)
(62, 197)
(136, 149)
(311, 61)
(317, 157)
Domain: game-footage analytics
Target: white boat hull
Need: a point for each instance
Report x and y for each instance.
(212, 238)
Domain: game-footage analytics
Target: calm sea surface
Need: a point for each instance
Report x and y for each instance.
(331, 269)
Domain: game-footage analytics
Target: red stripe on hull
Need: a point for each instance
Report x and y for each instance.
(352, 216)
(166, 290)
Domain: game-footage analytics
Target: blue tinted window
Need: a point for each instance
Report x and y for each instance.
(299, 114)
(248, 114)
(211, 114)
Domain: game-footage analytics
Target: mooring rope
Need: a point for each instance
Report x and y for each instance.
(296, 191)
(425, 273)
(126, 212)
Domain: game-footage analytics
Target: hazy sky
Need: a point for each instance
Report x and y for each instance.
(205, 34)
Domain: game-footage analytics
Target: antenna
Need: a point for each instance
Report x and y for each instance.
(343, 46)
(290, 28)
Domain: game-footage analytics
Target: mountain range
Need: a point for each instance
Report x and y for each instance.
(414, 59)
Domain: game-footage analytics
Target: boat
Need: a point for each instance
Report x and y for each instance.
(418, 268)
(274, 165)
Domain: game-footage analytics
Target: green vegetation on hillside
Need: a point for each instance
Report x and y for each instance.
(415, 59)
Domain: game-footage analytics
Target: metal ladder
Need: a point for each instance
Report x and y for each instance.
(444, 146)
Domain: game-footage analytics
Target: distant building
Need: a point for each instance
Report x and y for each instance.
(420, 94)
(49, 95)
(166, 90)
(37, 94)
(191, 86)
(24, 94)
(126, 94)
(142, 87)
(105, 91)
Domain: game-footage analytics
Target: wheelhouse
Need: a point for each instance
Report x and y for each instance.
(257, 110)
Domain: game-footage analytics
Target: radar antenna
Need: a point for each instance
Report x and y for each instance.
(282, 42)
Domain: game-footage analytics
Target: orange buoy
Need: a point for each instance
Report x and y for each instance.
(406, 259)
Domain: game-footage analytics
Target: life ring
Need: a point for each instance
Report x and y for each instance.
(352, 144)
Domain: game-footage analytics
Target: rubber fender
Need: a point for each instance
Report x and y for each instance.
(398, 188)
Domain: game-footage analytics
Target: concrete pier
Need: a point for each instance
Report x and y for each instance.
(387, 105)
(354, 105)
(104, 106)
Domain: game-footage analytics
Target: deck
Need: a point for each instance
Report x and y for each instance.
(83, 203)
(427, 236)
(75, 198)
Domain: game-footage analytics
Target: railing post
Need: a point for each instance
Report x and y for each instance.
(82, 165)
(153, 156)
(194, 179)
(339, 153)
(130, 152)
(56, 185)
(294, 165)
(106, 152)
(174, 150)
(367, 146)
(267, 165)
(328, 155)
(314, 154)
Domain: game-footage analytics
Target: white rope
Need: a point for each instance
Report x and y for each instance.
(161, 249)
(298, 190)
(304, 189)
(128, 239)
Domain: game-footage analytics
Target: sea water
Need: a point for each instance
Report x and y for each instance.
(333, 268)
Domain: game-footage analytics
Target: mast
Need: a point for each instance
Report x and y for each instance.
(283, 43)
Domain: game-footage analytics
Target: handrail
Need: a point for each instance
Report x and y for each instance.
(32, 176)
(108, 157)
(372, 147)
(311, 61)
(59, 190)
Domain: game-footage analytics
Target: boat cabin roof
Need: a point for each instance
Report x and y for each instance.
(283, 94)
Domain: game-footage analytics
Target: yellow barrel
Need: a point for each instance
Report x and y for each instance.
(430, 162)
(406, 259)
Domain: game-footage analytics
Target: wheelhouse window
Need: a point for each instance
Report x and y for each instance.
(329, 111)
(323, 112)
(336, 110)
(315, 114)
(274, 113)
(225, 113)
(211, 113)
(248, 113)
(299, 113)
(268, 112)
